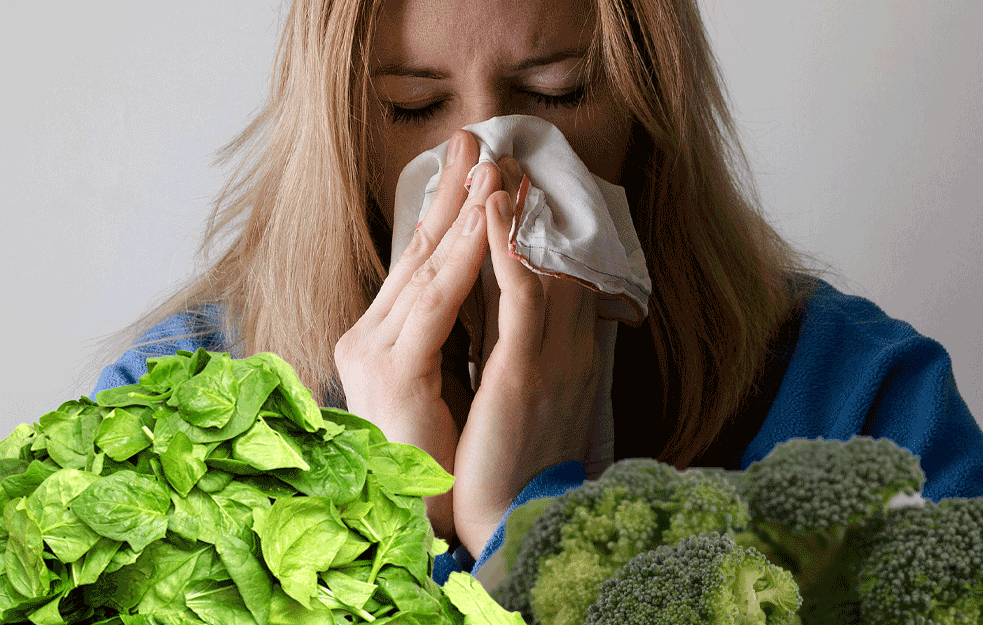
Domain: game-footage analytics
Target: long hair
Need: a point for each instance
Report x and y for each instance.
(720, 273)
(302, 266)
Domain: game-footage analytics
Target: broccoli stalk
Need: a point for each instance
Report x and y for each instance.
(812, 554)
(755, 588)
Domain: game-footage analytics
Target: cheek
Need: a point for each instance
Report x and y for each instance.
(602, 149)
(394, 146)
(600, 137)
(387, 155)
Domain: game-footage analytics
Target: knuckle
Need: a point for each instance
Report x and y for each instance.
(432, 299)
(420, 246)
(425, 273)
(344, 349)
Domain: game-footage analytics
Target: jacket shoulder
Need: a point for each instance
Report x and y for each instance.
(188, 331)
(857, 371)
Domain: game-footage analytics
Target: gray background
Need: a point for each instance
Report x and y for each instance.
(862, 121)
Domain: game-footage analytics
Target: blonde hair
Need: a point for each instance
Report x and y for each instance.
(720, 274)
(302, 266)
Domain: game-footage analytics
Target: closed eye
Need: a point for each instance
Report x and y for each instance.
(397, 114)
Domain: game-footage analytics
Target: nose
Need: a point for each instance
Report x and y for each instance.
(478, 107)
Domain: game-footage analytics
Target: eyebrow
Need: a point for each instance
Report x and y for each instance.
(413, 71)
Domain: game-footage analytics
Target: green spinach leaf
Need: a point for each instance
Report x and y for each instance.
(23, 558)
(125, 506)
(408, 470)
(292, 398)
(254, 583)
(208, 399)
(183, 463)
(300, 537)
(218, 603)
(265, 449)
(64, 533)
(337, 467)
(164, 373)
(121, 435)
(468, 596)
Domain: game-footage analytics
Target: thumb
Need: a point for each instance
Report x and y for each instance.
(522, 302)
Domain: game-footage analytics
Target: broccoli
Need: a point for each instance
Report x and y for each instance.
(925, 565)
(812, 500)
(588, 533)
(705, 579)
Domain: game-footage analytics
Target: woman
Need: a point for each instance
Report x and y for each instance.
(740, 349)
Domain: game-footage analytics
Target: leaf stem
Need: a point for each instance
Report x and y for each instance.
(380, 550)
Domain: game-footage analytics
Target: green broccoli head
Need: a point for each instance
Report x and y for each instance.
(925, 565)
(583, 508)
(807, 496)
(595, 543)
(587, 534)
(704, 579)
(635, 479)
(704, 502)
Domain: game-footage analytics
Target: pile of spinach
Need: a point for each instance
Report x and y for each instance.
(217, 491)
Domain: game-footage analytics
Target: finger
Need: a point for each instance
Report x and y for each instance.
(443, 211)
(421, 278)
(492, 296)
(432, 315)
(511, 178)
(521, 304)
(487, 180)
(511, 175)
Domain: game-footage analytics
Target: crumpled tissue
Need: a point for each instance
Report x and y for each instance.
(567, 223)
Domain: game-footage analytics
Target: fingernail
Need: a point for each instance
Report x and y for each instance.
(471, 178)
(454, 149)
(505, 207)
(478, 179)
(472, 221)
(511, 166)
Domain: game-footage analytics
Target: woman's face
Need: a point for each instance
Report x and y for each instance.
(439, 65)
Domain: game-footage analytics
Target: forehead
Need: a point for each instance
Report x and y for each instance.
(449, 30)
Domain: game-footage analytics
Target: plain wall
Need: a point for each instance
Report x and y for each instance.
(862, 121)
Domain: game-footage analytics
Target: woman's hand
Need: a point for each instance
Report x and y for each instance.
(390, 360)
(540, 366)
(533, 408)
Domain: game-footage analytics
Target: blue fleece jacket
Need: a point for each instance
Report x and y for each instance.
(854, 370)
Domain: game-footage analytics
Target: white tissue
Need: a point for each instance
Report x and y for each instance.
(574, 225)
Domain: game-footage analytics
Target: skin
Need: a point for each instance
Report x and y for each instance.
(475, 43)
(527, 414)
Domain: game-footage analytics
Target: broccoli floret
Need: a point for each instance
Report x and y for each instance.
(587, 534)
(809, 498)
(706, 579)
(595, 543)
(925, 565)
(704, 502)
(569, 581)
(635, 479)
